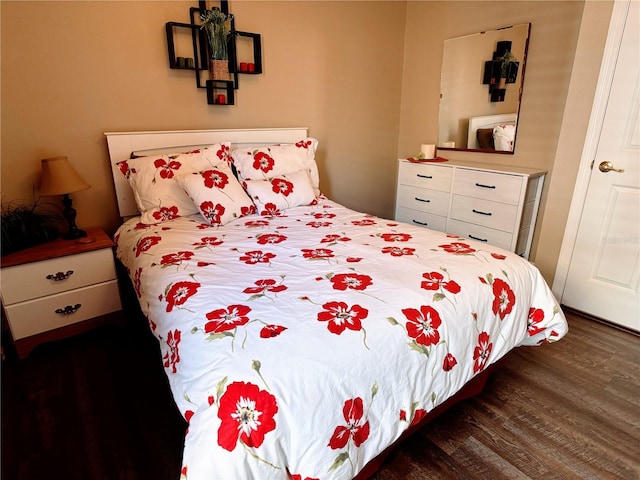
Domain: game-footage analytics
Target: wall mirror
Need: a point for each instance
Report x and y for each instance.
(481, 85)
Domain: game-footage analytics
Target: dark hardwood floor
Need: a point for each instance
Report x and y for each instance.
(97, 406)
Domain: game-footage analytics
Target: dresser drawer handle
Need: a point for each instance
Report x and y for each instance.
(424, 176)
(424, 224)
(485, 186)
(481, 213)
(69, 309)
(422, 200)
(478, 238)
(60, 276)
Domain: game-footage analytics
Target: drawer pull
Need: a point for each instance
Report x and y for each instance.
(69, 309)
(60, 276)
(424, 224)
(485, 186)
(422, 200)
(424, 176)
(478, 238)
(481, 213)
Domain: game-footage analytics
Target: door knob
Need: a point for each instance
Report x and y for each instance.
(608, 167)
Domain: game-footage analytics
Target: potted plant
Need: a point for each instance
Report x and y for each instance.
(214, 22)
(26, 225)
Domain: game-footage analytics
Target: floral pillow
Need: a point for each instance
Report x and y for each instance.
(217, 194)
(158, 196)
(503, 137)
(264, 163)
(281, 192)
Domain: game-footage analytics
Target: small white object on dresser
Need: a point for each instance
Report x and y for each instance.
(58, 289)
(489, 203)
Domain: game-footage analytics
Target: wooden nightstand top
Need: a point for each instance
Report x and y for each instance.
(59, 248)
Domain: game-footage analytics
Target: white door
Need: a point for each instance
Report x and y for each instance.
(604, 272)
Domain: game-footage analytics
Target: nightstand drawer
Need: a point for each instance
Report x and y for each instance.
(423, 199)
(488, 185)
(425, 176)
(29, 281)
(481, 234)
(37, 316)
(483, 212)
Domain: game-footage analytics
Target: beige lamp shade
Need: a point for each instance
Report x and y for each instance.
(59, 177)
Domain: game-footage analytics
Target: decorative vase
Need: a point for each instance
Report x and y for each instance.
(219, 70)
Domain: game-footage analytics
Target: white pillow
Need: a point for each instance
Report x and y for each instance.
(267, 162)
(158, 196)
(217, 194)
(503, 137)
(281, 192)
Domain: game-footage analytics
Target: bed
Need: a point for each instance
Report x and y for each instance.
(492, 132)
(302, 339)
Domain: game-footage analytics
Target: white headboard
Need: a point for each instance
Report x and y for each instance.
(122, 144)
(487, 121)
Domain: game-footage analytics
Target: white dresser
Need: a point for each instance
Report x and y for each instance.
(489, 203)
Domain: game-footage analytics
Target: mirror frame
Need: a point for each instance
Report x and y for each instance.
(481, 82)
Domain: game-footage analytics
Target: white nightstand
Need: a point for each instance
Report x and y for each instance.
(59, 289)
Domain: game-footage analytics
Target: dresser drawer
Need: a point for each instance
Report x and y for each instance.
(481, 234)
(498, 187)
(420, 218)
(432, 201)
(37, 316)
(486, 213)
(422, 175)
(29, 281)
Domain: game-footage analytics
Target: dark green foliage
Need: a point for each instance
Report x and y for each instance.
(27, 225)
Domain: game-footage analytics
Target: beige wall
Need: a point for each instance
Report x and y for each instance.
(73, 70)
(364, 76)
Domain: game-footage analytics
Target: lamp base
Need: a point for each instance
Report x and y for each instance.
(74, 234)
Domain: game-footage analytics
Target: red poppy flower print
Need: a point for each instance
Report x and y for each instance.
(423, 325)
(353, 281)
(435, 281)
(126, 171)
(215, 178)
(256, 256)
(503, 298)
(146, 243)
(397, 251)
(296, 476)
(481, 352)
(317, 253)
(270, 210)
(341, 317)
(167, 170)
(223, 153)
(165, 214)
(172, 357)
(282, 186)
(247, 210)
(319, 224)
(175, 258)
(355, 428)
(225, 319)
(270, 331)
(418, 415)
(213, 213)
(331, 238)
(262, 161)
(247, 414)
(137, 282)
(364, 223)
(449, 362)
(271, 238)
(257, 223)
(395, 237)
(179, 293)
(323, 215)
(208, 242)
(536, 316)
(498, 256)
(303, 144)
(458, 248)
(262, 286)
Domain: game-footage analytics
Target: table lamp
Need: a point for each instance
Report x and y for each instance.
(60, 178)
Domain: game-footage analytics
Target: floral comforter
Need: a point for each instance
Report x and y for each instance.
(302, 345)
